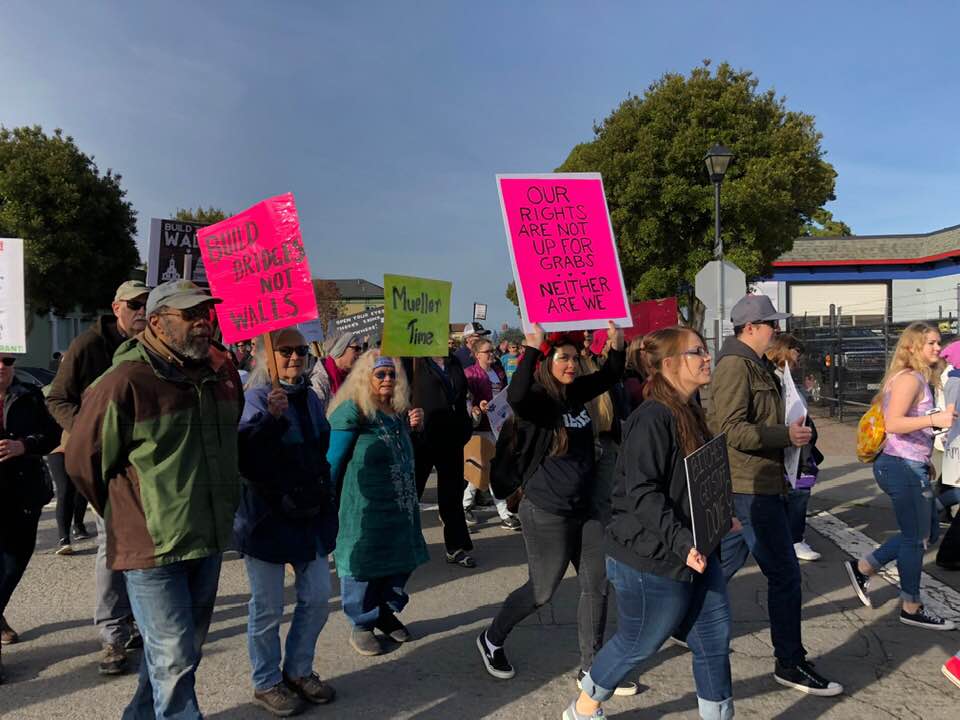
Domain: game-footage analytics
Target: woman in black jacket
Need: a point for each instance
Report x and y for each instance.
(27, 433)
(558, 468)
(660, 578)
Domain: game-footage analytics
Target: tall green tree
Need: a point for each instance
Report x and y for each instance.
(822, 224)
(78, 229)
(650, 151)
(202, 215)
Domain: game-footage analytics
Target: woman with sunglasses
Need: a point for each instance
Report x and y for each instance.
(380, 542)
(27, 433)
(661, 579)
(287, 515)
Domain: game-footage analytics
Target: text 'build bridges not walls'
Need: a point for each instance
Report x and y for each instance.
(563, 252)
(256, 262)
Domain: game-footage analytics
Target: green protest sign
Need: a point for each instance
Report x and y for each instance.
(416, 318)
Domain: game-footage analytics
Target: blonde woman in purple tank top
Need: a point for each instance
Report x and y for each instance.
(903, 470)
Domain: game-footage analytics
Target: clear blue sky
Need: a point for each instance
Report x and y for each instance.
(388, 120)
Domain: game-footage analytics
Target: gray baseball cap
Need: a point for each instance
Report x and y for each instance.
(178, 294)
(755, 309)
(130, 290)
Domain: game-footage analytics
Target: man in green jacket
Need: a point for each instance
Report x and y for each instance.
(154, 449)
(747, 405)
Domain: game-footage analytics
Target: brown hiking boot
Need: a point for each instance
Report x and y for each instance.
(279, 700)
(114, 661)
(311, 688)
(8, 636)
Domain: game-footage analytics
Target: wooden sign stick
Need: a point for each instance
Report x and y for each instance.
(271, 359)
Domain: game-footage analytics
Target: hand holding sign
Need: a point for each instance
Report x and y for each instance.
(535, 337)
(277, 402)
(800, 434)
(615, 335)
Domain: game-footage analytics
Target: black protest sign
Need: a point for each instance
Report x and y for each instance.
(710, 493)
(171, 241)
(368, 322)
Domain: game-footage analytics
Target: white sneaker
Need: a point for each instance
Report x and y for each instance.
(805, 552)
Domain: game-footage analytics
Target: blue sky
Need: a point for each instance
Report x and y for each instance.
(389, 120)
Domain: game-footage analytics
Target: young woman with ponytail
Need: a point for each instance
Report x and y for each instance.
(661, 579)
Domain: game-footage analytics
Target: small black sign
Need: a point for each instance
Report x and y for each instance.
(710, 492)
(171, 241)
(365, 323)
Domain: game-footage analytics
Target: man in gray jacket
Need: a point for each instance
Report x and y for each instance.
(747, 405)
(88, 357)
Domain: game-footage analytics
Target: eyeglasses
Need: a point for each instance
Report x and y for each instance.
(484, 352)
(199, 312)
(384, 374)
(700, 352)
(8, 361)
(135, 305)
(300, 350)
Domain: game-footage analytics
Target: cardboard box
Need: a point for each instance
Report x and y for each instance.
(477, 456)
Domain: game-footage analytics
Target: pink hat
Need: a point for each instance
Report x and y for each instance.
(951, 353)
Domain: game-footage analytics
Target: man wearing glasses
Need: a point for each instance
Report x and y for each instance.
(163, 423)
(746, 403)
(89, 356)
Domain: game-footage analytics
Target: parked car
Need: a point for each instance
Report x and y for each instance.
(40, 377)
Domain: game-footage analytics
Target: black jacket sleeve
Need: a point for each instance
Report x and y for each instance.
(586, 387)
(648, 456)
(527, 397)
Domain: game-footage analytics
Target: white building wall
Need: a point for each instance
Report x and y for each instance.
(925, 299)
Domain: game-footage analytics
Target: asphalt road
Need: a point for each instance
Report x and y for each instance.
(888, 669)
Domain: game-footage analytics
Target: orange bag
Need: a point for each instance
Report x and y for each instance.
(871, 434)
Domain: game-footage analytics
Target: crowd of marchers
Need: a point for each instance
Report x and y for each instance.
(185, 449)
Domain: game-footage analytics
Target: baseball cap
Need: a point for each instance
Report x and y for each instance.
(474, 328)
(178, 294)
(130, 290)
(755, 309)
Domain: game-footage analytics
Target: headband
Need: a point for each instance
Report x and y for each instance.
(555, 339)
(383, 362)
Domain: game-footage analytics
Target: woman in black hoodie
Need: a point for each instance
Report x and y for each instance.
(548, 398)
(660, 578)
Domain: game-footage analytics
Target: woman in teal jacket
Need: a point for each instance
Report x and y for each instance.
(380, 542)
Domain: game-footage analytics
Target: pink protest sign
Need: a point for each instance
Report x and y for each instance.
(564, 256)
(256, 262)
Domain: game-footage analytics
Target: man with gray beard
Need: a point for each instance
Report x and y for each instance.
(154, 449)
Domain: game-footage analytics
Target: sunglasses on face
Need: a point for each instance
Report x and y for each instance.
(135, 305)
(8, 361)
(385, 374)
(200, 312)
(300, 350)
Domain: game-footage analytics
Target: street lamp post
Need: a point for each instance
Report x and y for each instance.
(718, 159)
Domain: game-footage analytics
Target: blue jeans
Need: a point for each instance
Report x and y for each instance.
(312, 583)
(650, 607)
(797, 501)
(907, 482)
(363, 600)
(173, 605)
(766, 535)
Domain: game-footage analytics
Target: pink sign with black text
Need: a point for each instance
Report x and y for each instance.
(257, 264)
(564, 255)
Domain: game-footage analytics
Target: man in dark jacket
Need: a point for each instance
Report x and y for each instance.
(89, 356)
(746, 404)
(440, 389)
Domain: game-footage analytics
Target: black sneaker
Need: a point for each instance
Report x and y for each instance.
(511, 523)
(804, 678)
(470, 517)
(859, 581)
(80, 532)
(390, 625)
(925, 619)
(496, 662)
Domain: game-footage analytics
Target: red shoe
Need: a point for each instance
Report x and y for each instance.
(951, 670)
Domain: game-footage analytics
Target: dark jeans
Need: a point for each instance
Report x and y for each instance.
(766, 535)
(173, 605)
(553, 542)
(448, 460)
(649, 608)
(18, 538)
(364, 600)
(797, 501)
(71, 505)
